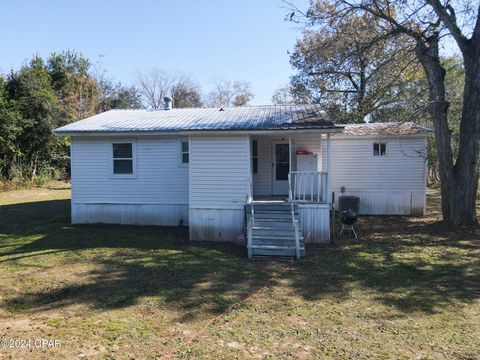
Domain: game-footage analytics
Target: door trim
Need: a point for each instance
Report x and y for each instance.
(273, 170)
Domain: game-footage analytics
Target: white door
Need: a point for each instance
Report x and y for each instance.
(281, 167)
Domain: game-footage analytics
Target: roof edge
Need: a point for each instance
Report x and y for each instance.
(335, 129)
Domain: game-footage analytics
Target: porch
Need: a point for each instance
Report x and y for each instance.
(290, 198)
(293, 169)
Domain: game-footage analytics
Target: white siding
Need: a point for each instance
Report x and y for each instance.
(161, 183)
(131, 214)
(390, 184)
(219, 170)
(219, 186)
(216, 224)
(262, 182)
(315, 222)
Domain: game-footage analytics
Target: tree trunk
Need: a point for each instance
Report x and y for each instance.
(466, 169)
(438, 108)
(458, 182)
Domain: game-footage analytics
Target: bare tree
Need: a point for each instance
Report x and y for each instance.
(156, 84)
(428, 23)
(153, 86)
(229, 93)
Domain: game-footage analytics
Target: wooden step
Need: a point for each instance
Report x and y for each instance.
(275, 237)
(268, 211)
(278, 242)
(273, 207)
(275, 247)
(274, 231)
(273, 224)
(286, 216)
(276, 251)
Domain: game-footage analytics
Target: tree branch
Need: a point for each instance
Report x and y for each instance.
(447, 15)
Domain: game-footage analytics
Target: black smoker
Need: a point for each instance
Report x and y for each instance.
(348, 207)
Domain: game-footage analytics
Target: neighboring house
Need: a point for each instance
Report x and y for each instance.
(227, 171)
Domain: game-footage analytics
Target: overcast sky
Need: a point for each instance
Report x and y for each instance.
(241, 40)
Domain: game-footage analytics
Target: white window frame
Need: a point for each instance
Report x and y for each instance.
(133, 175)
(181, 152)
(380, 143)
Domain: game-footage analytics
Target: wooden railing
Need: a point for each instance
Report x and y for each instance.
(307, 186)
(251, 219)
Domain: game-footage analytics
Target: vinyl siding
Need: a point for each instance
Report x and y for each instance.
(219, 187)
(219, 171)
(390, 184)
(315, 222)
(131, 214)
(160, 180)
(216, 224)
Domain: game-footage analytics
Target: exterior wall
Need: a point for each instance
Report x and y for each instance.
(219, 186)
(210, 193)
(315, 222)
(262, 181)
(394, 184)
(157, 195)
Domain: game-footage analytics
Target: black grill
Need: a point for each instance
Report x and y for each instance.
(348, 217)
(348, 207)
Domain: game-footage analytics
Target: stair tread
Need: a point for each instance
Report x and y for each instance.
(273, 228)
(274, 237)
(264, 216)
(273, 247)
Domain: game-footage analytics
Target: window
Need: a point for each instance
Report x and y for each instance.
(122, 159)
(282, 161)
(379, 149)
(185, 153)
(255, 156)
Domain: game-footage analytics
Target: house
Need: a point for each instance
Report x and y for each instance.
(271, 172)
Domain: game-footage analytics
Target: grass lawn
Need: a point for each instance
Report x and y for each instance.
(409, 289)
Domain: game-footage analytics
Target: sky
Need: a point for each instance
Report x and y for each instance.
(238, 40)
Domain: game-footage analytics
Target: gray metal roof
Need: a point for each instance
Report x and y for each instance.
(385, 129)
(275, 117)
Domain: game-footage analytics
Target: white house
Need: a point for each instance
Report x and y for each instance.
(271, 172)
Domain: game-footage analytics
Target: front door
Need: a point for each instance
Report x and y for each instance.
(281, 167)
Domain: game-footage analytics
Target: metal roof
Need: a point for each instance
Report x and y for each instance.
(274, 117)
(384, 129)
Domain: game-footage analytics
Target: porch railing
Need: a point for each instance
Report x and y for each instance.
(307, 186)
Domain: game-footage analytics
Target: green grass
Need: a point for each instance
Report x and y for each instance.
(409, 289)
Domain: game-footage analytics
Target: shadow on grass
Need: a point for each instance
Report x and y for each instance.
(131, 262)
(406, 263)
(411, 264)
(25, 218)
